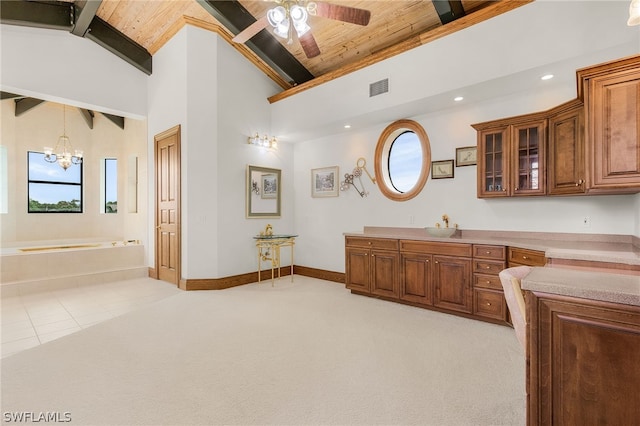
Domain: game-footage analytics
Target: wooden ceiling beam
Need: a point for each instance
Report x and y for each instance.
(449, 10)
(88, 116)
(57, 16)
(115, 119)
(25, 104)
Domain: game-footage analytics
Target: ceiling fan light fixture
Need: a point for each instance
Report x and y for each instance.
(276, 15)
(282, 29)
(634, 13)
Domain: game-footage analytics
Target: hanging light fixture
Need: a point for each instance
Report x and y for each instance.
(62, 152)
(634, 13)
(289, 15)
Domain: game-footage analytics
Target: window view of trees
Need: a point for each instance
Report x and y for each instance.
(111, 185)
(51, 188)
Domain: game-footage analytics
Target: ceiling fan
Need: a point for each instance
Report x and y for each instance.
(291, 15)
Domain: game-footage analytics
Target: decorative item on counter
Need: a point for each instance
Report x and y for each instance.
(268, 231)
(349, 178)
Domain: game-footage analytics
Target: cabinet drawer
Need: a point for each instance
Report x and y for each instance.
(375, 243)
(526, 257)
(487, 281)
(487, 267)
(489, 303)
(489, 252)
(445, 249)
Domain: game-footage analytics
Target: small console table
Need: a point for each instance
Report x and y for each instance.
(269, 250)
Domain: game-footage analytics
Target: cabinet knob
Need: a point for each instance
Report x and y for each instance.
(579, 182)
(488, 303)
(515, 189)
(426, 261)
(369, 242)
(525, 257)
(488, 252)
(488, 282)
(488, 267)
(437, 261)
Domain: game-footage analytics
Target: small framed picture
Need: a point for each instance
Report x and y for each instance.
(442, 169)
(269, 185)
(466, 156)
(325, 182)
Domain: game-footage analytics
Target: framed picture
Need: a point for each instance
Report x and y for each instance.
(466, 156)
(325, 182)
(269, 185)
(442, 169)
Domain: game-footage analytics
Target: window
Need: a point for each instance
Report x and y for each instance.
(51, 189)
(110, 185)
(402, 160)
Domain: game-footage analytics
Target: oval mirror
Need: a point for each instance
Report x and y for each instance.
(402, 160)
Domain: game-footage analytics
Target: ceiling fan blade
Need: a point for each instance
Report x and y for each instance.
(251, 30)
(309, 45)
(349, 14)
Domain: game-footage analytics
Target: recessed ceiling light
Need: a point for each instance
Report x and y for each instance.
(458, 98)
(546, 77)
(347, 126)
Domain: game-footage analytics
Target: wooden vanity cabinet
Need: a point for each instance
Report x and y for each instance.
(512, 156)
(582, 361)
(438, 270)
(488, 295)
(525, 257)
(372, 265)
(611, 94)
(566, 166)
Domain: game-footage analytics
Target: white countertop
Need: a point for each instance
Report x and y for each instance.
(624, 249)
(624, 289)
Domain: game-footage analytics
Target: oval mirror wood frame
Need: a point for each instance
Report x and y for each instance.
(381, 158)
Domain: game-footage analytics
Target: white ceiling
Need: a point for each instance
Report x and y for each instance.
(498, 57)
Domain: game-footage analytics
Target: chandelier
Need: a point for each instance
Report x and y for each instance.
(290, 15)
(263, 141)
(62, 152)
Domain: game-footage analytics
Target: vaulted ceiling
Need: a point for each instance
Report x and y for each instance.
(136, 29)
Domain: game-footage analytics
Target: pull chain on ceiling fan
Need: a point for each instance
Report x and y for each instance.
(292, 15)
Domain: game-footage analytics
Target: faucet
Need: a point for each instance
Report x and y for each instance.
(445, 219)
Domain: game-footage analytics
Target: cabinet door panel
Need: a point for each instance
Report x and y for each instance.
(384, 268)
(415, 283)
(566, 152)
(490, 304)
(529, 158)
(452, 280)
(492, 163)
(358, 274)
(615, 116)
(584, 365)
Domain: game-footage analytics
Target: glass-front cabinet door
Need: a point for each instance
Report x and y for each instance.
(493, 171)
(528, 158)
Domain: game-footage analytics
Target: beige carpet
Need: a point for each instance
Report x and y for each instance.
(306, 352)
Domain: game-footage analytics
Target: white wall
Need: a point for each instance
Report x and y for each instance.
(41, 127)
(637, 232)
(219, 98)
(58, 66)
(321, 222)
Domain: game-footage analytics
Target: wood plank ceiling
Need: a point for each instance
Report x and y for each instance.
(395, 26)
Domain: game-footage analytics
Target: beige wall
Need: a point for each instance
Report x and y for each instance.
(41, 127)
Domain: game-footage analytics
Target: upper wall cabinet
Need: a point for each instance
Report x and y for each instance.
(565, 171)
(611, 93)
(592, 142)
(511, 156)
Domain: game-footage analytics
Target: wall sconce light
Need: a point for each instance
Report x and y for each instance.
(634, 13)
(264, 141)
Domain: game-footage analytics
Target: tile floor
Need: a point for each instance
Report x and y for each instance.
(34, 318)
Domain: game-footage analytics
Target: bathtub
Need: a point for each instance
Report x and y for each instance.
(53, 265)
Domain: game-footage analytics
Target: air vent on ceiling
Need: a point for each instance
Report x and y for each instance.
(379, 87)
